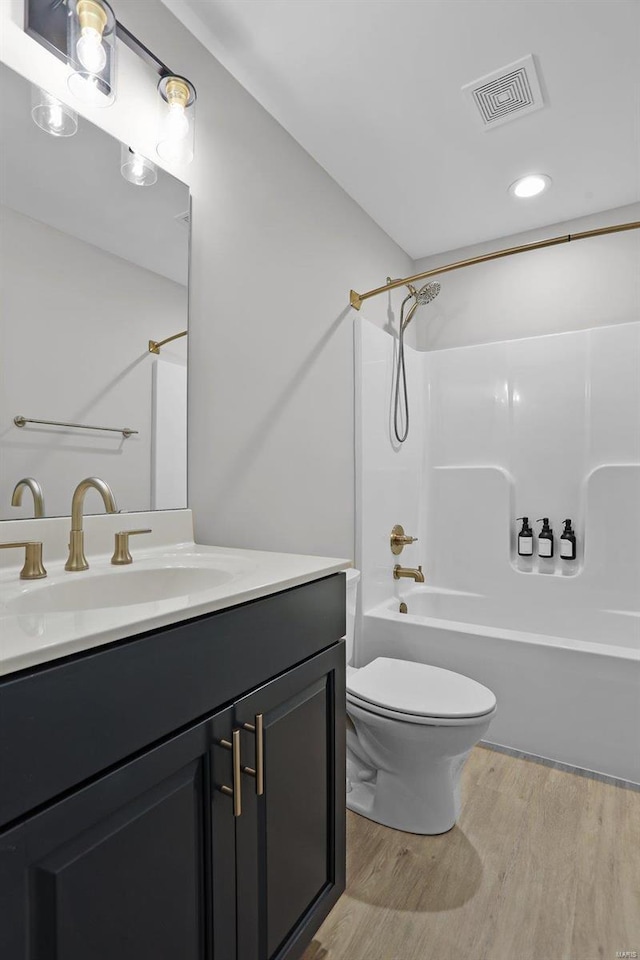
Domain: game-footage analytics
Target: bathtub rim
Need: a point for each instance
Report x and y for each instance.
(384, 611)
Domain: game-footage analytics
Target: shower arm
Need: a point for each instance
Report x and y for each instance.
(357, 299)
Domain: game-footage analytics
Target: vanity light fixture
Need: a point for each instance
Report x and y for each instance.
(530, 186)
(137, 169)
(52, 115)
(91, 51)
(176, 119)
(83, 33)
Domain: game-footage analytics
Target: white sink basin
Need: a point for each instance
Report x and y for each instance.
(171, 579)
(120, 588)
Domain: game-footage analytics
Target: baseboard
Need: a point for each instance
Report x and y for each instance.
(557, 765)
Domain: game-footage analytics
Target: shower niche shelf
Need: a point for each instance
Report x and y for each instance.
(540, 566)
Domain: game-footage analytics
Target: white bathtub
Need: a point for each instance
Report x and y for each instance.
(568, 689)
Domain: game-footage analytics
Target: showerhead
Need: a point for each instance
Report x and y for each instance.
(424, 295)
(428, 293)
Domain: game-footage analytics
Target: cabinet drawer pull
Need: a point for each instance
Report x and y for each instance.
(258, 773)
(236, 790)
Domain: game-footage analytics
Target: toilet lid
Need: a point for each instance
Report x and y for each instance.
(419, 689)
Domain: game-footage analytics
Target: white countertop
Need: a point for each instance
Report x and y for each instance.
(32, 638)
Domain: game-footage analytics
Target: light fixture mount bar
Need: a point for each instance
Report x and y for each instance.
(143, 52)
(46, 22)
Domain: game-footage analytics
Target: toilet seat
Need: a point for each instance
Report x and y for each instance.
(418, 693)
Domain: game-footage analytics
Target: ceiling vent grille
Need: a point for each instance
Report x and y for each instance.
(506, 94)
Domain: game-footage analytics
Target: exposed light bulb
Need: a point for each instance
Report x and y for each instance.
(136, 169)
(91, 36)
(51, 115)
(175, 128)
(90, 50)
(176, 125)
(56, 118)
(137, 166)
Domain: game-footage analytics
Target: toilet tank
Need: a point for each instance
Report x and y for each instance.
(353, 577)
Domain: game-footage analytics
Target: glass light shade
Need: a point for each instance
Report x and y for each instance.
(137, 169)
(91, 51)
(176, 120)
(52, 115)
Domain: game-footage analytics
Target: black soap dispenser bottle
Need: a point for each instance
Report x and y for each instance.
(545, 539)
(568, 542)
(525, 538)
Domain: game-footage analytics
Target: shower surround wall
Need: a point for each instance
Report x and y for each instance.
(541, 426)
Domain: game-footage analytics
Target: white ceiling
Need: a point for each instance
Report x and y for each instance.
(372, 89)
(74, 184)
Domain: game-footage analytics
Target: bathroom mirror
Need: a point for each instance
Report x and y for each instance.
(92, 267)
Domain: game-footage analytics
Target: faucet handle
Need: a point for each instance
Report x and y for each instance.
(33, 568)
(121, 553)
(398, 539)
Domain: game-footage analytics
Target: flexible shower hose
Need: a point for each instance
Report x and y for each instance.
(401, 374)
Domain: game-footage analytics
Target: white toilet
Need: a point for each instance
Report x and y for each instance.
(412, 727)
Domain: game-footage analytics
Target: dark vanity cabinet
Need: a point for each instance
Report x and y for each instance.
(179, 795)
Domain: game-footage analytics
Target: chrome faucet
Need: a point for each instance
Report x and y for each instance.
(38, 496)
(77, 559)
(409, 572)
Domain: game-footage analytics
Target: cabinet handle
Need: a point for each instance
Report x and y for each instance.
(236, 790)
(258, 773)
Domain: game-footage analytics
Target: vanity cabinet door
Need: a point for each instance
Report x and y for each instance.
(122, 868)
(290, 840)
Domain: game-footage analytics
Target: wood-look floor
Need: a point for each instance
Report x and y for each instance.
(542, 865)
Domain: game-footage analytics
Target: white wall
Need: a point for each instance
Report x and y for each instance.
(276, 246)
(587, 283)
(73, 347)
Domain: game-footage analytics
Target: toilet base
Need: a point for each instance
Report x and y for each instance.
(361, 801)
(428, 805)
(407, 775)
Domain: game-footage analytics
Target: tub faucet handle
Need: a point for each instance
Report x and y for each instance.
(399, 540)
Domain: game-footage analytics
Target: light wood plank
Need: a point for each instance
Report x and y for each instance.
(543, 865)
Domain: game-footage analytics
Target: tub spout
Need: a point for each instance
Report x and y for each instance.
(409, 572)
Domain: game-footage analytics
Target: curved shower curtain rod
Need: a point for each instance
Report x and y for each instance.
(154, 345)
(357, 299)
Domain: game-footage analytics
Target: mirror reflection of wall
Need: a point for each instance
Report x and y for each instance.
(92, 267)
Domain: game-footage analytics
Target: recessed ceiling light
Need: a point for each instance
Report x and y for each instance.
(530, 186)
